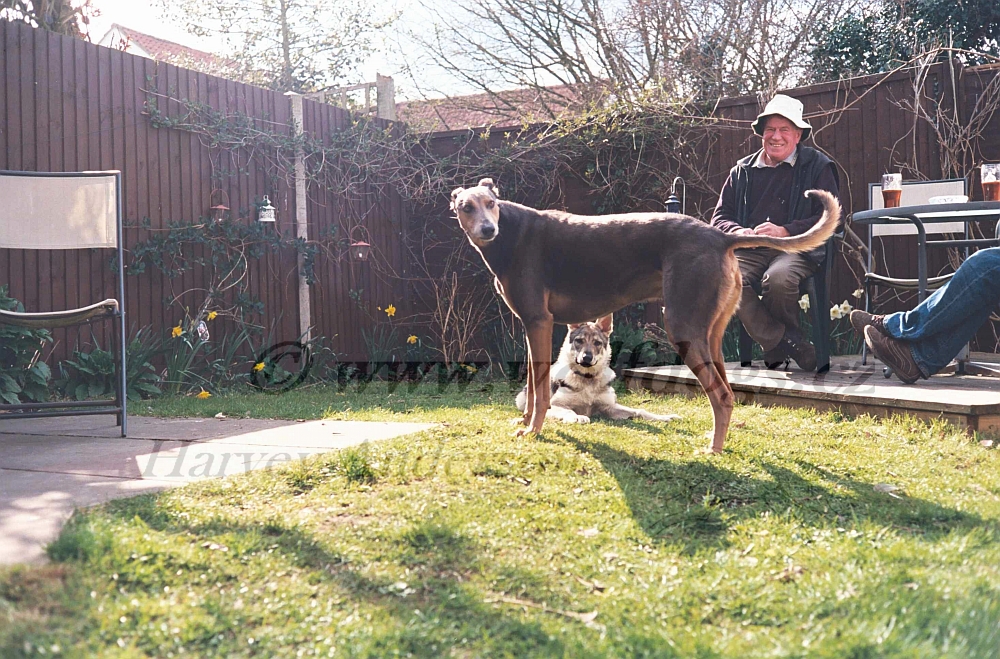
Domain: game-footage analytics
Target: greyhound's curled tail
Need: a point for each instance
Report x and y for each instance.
(818, 234)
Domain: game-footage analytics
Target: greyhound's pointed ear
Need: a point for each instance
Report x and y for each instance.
(575, 326)
(454, 195)
(491, 186)
(606, 323)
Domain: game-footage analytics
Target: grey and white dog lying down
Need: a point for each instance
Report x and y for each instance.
(581, 379)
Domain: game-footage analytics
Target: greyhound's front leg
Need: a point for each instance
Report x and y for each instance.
(539, 364)
(529, 399)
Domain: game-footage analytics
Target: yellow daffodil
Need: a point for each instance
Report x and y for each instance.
(835, 312)
(203, 394)
(858, 293)
(804, 302)
(212, 315)
(259, 366)
(177, 331)
(845, 307)
(412, 339)
(390, 311)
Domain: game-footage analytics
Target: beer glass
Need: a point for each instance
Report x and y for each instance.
(991, 182)
(892, 188)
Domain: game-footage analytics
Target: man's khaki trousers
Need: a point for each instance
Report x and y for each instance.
(765, 317)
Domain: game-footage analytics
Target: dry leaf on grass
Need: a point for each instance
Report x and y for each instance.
(593, 586)
(886, 488)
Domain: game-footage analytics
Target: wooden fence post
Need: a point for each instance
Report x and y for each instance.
(386, 97)
(301, 219)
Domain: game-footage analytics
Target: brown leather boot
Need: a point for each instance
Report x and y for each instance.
(798, 348)
(775, 358)
(894, 354)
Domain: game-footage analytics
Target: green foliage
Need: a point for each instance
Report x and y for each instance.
(93, 374)
(356, 466)
(888, 34)
(23, 375)
(180, 352)
(89, 375)
(382, 343)
(634, 345)
(223, 252)
(142, 349)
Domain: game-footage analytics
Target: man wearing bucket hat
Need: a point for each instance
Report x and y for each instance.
(764, 194)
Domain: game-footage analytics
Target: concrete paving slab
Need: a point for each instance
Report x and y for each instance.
(49, 467)
(34, 507)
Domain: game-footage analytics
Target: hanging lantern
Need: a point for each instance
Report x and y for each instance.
(219, 211)
(360, 250)
(674, 203)
(265, 211)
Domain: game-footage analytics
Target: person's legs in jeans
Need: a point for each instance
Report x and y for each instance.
(941, 325)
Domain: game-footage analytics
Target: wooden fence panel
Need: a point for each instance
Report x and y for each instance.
(69, 105)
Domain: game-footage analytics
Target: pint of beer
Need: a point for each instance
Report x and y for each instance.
(892, 188)
(991, 182)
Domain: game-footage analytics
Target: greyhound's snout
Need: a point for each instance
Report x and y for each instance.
(587, 358)
(488, 231)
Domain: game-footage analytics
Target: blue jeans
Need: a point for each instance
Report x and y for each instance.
(942, 324)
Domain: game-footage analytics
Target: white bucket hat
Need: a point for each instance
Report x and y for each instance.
(783, 106)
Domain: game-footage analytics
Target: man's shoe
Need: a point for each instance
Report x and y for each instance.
(894, 354)
(775, 358)
(862, 319)
(798, 348)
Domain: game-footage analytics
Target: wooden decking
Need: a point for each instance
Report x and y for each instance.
(969, 401)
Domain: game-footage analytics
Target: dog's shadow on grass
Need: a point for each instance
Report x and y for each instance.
(694, 503)
(439, 562)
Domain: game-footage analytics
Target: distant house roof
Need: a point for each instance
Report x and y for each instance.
(132, 41)
(499, 109)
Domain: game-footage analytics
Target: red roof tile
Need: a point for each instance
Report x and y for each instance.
(170, 52)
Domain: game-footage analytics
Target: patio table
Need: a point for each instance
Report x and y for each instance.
(918, 216)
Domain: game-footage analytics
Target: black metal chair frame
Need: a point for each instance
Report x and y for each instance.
(111, 309)
(922, 284)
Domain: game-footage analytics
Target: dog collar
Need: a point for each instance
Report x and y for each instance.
(589, 376)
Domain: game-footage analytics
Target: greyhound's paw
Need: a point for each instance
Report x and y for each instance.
(521, 432)
(519, 421)
(579, 418)
(667, 418)
(708, 450)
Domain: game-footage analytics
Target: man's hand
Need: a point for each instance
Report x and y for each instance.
(772, 230)
(744, 232)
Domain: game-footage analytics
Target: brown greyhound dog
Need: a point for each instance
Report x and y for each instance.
(555, 267)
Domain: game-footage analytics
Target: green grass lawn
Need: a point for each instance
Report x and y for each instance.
(610, 539)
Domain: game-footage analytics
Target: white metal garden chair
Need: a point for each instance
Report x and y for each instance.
(56, 211)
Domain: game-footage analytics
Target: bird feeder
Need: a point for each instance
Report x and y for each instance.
(219, 211)
(265, 211)
(360, 250)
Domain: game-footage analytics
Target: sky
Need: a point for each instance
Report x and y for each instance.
(141, 15)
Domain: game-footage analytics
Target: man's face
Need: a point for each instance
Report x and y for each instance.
(781, 137)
